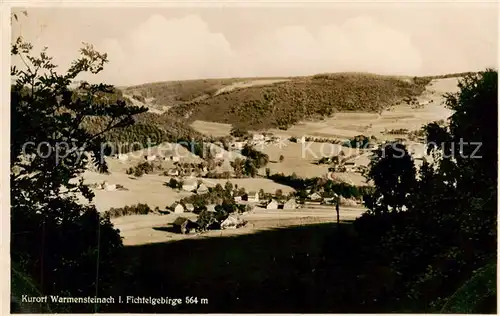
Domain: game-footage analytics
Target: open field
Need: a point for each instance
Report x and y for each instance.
(300, 158)
(211, 128)
(151, 228)
(248, 84)
(150, 189)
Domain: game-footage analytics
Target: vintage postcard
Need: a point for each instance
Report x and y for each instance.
(239, 157)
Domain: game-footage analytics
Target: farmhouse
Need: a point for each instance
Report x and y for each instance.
(231, 222)
(150, 157)
(211, 208)
(173, 172)
(314, 196)
(329, 200)
(177, 208)
(189, 207)
(272, 205)
(184, 225)
(108, 187)
(258, 137)
(290, 204)
(238, 198)
(252, 197)
(202, 189)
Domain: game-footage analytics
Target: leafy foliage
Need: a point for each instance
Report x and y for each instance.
(68, 249)
(139, 209)
(447, 230)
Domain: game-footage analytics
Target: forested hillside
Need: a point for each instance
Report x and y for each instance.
(283, 104)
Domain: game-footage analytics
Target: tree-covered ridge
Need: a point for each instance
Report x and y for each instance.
(179, 92)
(149, 129)
(283, 104)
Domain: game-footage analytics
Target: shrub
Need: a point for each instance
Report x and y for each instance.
(137, 209)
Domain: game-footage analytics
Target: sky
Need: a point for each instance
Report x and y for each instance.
(165, 43)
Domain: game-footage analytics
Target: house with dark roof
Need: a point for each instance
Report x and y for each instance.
(184, 226)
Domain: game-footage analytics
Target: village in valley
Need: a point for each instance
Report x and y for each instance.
(253, 159)
(235, 181)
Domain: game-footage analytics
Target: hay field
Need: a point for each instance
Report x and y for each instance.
(150, 189)
(300, 158)
(211, 128)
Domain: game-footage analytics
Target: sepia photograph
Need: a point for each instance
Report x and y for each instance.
(281, 157)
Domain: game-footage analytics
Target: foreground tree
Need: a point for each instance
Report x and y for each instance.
(66, 248)
(438, 252)
(449, 228)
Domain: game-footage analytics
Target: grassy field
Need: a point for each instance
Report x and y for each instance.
(150, 189)
(211, 128)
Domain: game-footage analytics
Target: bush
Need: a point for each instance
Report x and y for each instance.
(137, 209)
(238, 132)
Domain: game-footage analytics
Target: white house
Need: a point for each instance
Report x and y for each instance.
(253, 197)
(231, 222)
(258, 137)
(189, 207)
(173, 172)
(202, 189)
(237, 198)
(315, 196)
(290, 204)
(108, 187)
(272, 205)
(178, 208)
(151, 157)
(211, 208)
